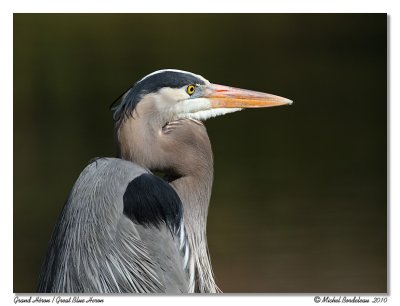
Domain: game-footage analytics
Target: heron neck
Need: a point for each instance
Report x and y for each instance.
(195, 196)
(194, 192)
(185, 156)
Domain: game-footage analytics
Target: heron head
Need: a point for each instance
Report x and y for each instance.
(149, 125)
(174, 94)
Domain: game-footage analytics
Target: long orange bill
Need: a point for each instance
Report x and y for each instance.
(230, 97)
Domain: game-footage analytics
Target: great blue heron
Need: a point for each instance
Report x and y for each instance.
(124, 229)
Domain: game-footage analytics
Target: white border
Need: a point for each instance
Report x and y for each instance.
(180, 6)
(8, 7)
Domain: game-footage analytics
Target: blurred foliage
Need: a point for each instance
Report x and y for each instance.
(299, 201)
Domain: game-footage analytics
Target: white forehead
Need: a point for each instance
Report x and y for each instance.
(174, 70)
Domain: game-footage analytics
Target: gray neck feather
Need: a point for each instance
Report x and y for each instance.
(195, 194)
(184, 152)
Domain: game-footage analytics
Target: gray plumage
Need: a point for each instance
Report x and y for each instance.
(96, 248)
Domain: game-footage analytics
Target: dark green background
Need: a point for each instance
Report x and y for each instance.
(299, 201)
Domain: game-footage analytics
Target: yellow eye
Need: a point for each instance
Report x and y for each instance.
(191, 89)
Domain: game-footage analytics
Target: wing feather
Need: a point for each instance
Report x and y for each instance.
(104, 242)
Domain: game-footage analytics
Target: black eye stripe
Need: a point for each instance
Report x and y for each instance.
(152, 83)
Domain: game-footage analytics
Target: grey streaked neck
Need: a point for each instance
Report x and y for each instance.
(183, 151)
(194, 192)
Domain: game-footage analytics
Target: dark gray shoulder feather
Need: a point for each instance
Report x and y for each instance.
(149, 200)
